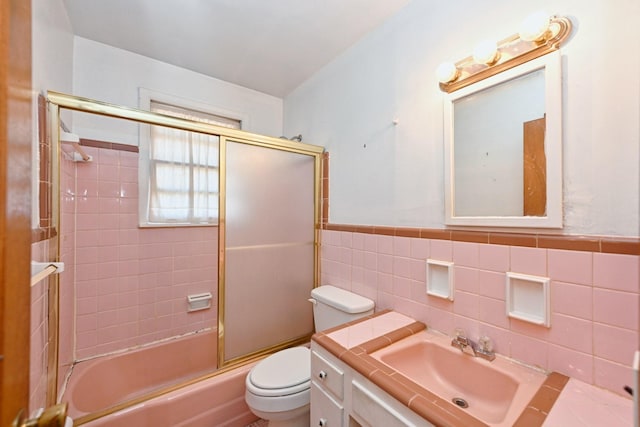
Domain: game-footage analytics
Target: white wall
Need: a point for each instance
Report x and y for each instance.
(52, 45)
(52, 66)
(112, 75)
(393, 175)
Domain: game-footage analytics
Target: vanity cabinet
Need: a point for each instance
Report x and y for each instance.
(341, 397)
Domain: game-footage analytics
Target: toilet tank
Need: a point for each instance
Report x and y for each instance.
(334, 306)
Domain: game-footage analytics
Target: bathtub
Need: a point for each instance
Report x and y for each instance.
(98, 384)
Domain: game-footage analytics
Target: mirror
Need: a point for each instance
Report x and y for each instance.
(503, 148)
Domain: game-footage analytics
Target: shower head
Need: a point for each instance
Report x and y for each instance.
(297, 138)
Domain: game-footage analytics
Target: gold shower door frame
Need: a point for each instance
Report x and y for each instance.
(56, 101)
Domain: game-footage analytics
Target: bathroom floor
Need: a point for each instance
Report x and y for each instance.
(259, 423)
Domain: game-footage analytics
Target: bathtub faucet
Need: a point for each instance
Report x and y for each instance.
(466, 345)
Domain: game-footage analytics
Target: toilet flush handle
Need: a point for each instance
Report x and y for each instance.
(312, 301)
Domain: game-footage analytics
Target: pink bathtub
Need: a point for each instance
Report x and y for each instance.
(102, 383)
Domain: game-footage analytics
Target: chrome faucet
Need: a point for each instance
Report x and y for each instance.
(466, 345)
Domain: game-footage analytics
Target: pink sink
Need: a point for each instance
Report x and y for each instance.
(496, 392)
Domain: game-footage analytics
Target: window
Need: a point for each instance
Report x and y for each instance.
(182, 170)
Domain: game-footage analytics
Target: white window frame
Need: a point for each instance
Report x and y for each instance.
(146, 96)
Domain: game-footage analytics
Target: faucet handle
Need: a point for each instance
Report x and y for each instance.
(459, 332)
(485, 344)
(485, 348)
(460, 335)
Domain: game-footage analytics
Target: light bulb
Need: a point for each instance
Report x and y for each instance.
(535, 26)
(447, 72)
(486, 52)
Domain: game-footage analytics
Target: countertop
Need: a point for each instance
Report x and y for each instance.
(579, 403)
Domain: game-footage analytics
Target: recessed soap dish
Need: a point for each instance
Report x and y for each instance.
(440, 279)
(528, 298)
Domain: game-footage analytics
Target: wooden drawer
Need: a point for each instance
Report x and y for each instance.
(325, 411)
(327, 374)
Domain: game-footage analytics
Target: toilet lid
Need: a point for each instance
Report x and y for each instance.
(284, 369)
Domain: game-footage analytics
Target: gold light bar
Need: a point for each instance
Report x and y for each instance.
(539, 35)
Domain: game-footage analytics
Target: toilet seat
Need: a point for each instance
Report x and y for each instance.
(281, 374)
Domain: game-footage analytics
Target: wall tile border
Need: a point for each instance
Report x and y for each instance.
(612, 245)
(108, 145)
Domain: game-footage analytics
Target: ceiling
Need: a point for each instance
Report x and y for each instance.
(271, 46)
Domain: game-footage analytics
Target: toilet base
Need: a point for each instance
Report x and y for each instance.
(296, 418)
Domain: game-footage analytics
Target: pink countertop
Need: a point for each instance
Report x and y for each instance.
(579, 404)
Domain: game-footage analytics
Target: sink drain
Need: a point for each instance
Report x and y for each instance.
(460, 402)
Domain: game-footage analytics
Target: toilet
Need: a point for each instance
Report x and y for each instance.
(278, 387)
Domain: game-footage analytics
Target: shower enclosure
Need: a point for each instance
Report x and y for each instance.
(145, 308)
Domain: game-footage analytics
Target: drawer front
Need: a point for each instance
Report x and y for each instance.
(325, 412)
(325, 373)
(374, 411)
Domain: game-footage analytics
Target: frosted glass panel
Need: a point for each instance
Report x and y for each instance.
(269, 259)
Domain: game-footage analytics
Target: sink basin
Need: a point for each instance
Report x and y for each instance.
(496, 392)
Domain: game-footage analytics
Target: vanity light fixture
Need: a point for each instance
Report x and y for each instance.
(539, 34)
(486, 52)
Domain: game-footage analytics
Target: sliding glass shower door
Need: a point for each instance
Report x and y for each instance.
(268, 258)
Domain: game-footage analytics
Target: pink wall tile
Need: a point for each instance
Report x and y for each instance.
(357, 257)
(357, 275)
(402, 287)
(493, 257)
(465, 304)
(492, 284)
(528, 260)
(465, 254)
(466, 279)
(614, 344)
(385, 263)
(529, 329)
(572, 300)
(612, 376)
(357, 241)
(418, 270)
(385, 283)
(529, 350)
(401, 267)
(346, 239)
(500, 337)
(441, 250)
(384, 244)
(345, 255)
(371, 243)
(614, 271)
(87, 323)
(419, 248)
(570, 266)
(616, 308)
(571, 332)
(107, 157)
(371, 261)
(570, 362)
(439, 319)
(107, 173)
(402, 246)
(492, 311)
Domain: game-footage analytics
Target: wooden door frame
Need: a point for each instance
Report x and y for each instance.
(15, 205)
